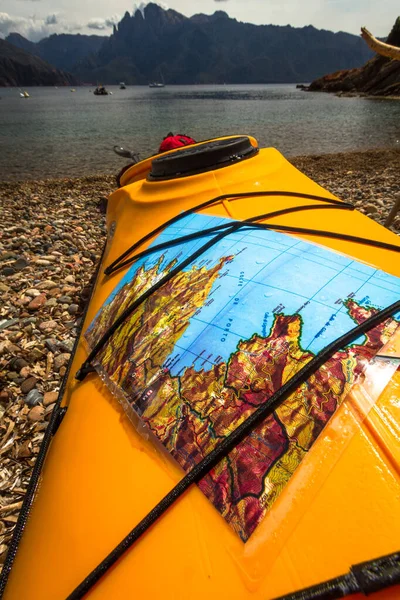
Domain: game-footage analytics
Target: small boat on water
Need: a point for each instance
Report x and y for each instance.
(72, 90)
(228, 426)
(100, 91)
(24, 95)
(158, 83)
(122, 86)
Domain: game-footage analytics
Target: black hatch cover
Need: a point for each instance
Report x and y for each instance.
(207, 156)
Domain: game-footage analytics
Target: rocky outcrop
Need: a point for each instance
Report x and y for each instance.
(19, 68)
(378, 77)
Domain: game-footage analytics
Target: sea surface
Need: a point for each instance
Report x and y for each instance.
(59, 133)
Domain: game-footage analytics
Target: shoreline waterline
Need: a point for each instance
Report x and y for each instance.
(310, 163)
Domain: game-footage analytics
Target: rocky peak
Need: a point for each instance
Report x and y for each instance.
(394, 35)
(220, 14)
(20, 42)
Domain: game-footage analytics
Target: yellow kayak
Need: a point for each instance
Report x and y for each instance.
(229, 424)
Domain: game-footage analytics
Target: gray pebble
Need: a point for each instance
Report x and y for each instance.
(8, 323)
(52, 344)
(33, 398)
(73, 309)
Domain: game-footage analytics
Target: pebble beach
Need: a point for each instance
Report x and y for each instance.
(51, 239)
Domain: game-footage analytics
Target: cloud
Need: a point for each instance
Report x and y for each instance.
(143, 5)
(51, 20)
(35, 29)
(101, 24)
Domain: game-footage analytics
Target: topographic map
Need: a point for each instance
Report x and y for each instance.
(198, 356)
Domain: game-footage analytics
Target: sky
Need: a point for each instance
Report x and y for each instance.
(36, 19)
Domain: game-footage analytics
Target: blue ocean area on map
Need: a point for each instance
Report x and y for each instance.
(269, 273)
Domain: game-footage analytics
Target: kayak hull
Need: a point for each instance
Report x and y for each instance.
(101, 477)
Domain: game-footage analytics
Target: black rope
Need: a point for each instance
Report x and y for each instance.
(228, 444)
(365, 578)
(339, 587)
(52, 427)
(204, 232)
(208, 203)
(330, 234)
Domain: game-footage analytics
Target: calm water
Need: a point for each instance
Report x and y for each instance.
(59, 133)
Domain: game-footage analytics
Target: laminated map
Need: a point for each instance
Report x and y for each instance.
(216, 341)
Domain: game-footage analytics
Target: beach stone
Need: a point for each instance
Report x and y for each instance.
(4, 287)
(51, 302)
(48, 325)
(7, 271)
(37, 302)
(49, 410)
(18, 364)
(24, 450)
(36, 413)
(52, 345)
(25, 372)
(28, 385)
(35, 354)
(8, 323)
(369, 208)
(50, 398)
(10, 347)
(42, 262)
(47, 284)
(73, 309)
(33, 398)
(61, 360)
(54, 292)
(8, 255)
(66, 345)
(12, 375)
(32, 292)
(4, 395)
(64, 299)
(20, 264)
(29, 321)
(70, 279)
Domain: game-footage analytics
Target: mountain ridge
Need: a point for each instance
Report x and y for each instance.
(20, 68)
(208, 49)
